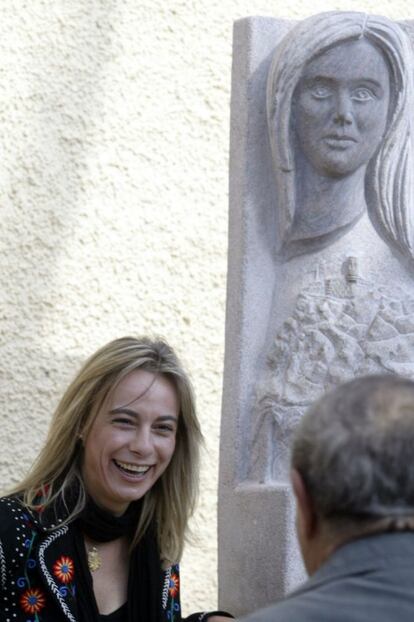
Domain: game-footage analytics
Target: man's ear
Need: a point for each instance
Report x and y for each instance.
(306, 515)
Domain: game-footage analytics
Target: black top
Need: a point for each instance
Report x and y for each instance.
(120, 615)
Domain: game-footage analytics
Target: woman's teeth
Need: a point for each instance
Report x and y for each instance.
(132, 468)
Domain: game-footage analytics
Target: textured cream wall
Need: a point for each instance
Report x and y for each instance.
(114, 120)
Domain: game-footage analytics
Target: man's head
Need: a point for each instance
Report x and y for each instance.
(351, 464)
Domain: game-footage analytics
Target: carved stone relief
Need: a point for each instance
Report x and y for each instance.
(321, 166)
(341, 327)
(340, 101)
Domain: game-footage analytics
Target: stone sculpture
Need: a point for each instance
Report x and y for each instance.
(321, 167)
(340, 90)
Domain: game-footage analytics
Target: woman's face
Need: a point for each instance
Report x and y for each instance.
(341, 107)
(131, 441)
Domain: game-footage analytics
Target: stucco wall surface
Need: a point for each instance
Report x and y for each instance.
(114, 120)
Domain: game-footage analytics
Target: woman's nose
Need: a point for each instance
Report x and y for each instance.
(141, 442)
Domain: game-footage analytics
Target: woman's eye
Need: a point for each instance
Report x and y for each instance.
(320, 91)
(164, 427)
(362, 94)
(123, 421)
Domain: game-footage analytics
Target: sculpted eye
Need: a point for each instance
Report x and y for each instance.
(321, 91)
(362, 94)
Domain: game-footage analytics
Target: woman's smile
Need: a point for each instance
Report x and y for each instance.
(131, 441)
(132, 469)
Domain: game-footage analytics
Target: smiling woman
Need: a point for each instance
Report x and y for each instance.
(131, 441)
(96, 529)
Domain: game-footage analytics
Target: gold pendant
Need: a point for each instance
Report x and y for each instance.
(94, 559)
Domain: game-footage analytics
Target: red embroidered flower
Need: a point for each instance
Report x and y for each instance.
(174, 584)
(32, 600)
(64, 569)
(40, 495)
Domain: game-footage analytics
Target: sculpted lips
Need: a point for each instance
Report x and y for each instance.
(339, 141)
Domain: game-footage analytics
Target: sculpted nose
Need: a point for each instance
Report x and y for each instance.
(343, 118)
(343, 110)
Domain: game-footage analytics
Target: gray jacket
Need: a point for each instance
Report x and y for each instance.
(366, 580)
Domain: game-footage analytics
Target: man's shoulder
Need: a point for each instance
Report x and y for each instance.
(296, 608)
(350, 585)
(322, 603)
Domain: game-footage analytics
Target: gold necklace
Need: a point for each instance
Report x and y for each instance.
(94, 559)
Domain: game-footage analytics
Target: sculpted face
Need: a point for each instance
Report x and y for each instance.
(341, 106)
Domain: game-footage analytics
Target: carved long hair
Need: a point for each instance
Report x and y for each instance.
(388, 177)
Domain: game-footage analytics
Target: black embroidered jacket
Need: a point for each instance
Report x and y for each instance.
(38, 574)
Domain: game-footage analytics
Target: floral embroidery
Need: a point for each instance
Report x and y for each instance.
(46, 574)
(174, 584)
(166, 587)
(63, 569)
(32, 600)
(40, 496)
(171, 593)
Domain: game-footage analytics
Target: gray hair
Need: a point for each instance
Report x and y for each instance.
(388, 187)
(354, 450)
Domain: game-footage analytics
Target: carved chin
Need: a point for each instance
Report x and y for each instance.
(340, 159)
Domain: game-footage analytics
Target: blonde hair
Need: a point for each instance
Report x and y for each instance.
(57, 470)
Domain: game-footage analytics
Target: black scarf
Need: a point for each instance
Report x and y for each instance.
(144, 593)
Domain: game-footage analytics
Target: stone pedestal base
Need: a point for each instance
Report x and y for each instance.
(259, 557)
